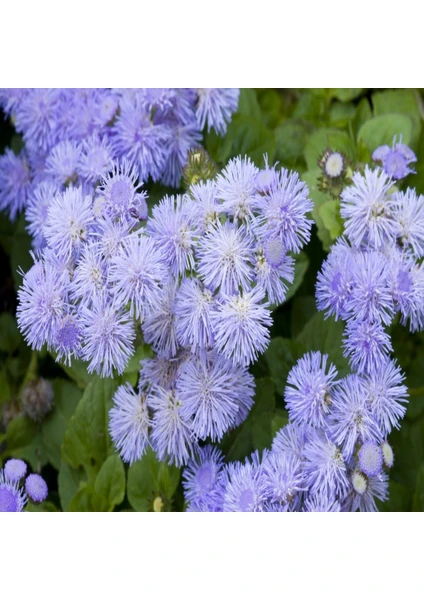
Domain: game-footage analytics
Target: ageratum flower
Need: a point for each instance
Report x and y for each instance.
(39, 200)
(12, 498)
(129, 423)
(108, 337)
(225, 258)
(36, 488)
(62, 162)
(367, 207)
(408, 214)
(70, 221)
(15, 470)
(15, 182)
(395, 160)
(159, 324)
(174, 231)
(309, 389)
(205, 386)
(137, 273)
(193, 305)
(284, 212)
(172, 437)
(203, 488)
(215, 107)
(239, 325)
(236, 188)
(325, 469)
(335, 280)
(244, 487)
(366, 345)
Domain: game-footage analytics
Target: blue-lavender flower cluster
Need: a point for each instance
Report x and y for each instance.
(375, 271)
(15, 492)
(74, 136)
(332, 456)
(226, 247)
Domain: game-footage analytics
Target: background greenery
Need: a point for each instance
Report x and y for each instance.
(72, 448)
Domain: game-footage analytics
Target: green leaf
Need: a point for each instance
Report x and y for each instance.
(150, 480)
(43, 507)
(248, 104)
(300, 268)
(23, 440)
(381, 130)
(68, 482)
(325, 335)
(329, 211)
(87, 441)
(10, 338)
(327, 138)
(341, 114)
(346, 94)
(66, 398)
(255, 433)
(290, 141)
(318, 198)
(77, 372)
(252, 138)
(418, 497)
(281, 355)
(401, 102)
(109, 486)
(20, 258)
(142, 352)
(363, 114)
(83, 499)
(280, 420)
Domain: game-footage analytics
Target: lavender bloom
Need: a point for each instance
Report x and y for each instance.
(335, 280)
(239, 325)
(370, 298)
(309, 387)
(408, 214)
(173, 229)
(244, 487)
(42, 301)
(366, 345)
(321, 503)
(270, 280)
(37, 117)
(205, 386)
(351, 420)
(182, 139)
(139, 140)
(96, 158)
(325, 469)
(292, 438)
(119, 196)
(171, 436)
(244, 389)
(62, 162)
(69, 222)
(386, 395)
(225, 258)
(159, 371)
(15, 182)
(395, 160)
(193, 305)
(215, 107)
(203, 488)
(129, 423)
(367, 207)
(159, 325)
(36, 488)
(283, 478)
(14, 470)
(370, 458)
(108, 336)
(90, 276)
(137, 273)
(406, 283)
(37, 210)
(236, 187)
(67, 339)
(206, 208)
(12, 498)
(109, 236)
(284, 212)
(376, 487)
